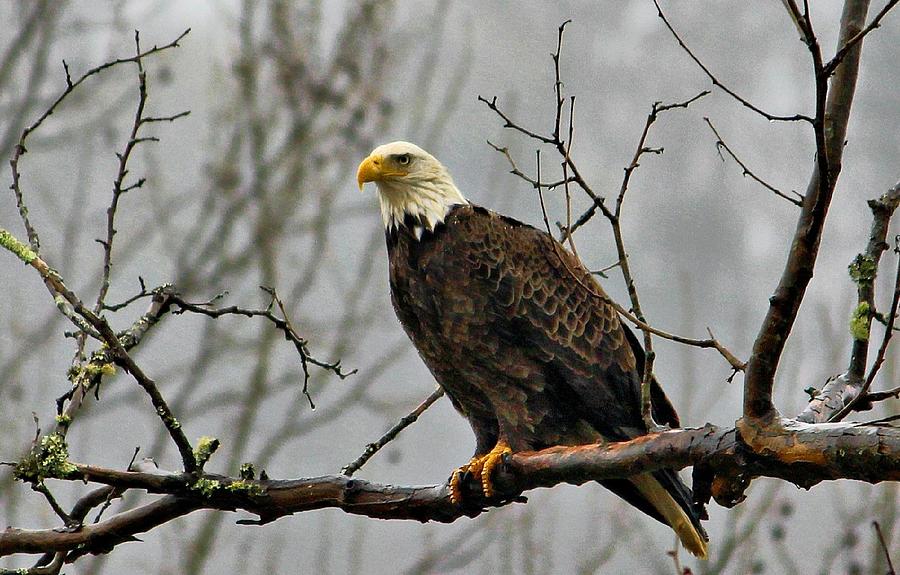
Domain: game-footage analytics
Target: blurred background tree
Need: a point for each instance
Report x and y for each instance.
(255, 187)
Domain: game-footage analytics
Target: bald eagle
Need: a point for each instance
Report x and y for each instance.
(523, 350)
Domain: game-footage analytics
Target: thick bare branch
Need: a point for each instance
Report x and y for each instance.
(833, 110)
(804, 455)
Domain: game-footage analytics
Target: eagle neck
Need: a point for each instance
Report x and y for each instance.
(423, 203)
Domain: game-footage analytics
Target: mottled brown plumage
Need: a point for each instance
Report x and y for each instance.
(512, 328)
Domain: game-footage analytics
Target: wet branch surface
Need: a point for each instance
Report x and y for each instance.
(803, 454)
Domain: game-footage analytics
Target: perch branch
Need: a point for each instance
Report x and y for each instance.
(804, 455)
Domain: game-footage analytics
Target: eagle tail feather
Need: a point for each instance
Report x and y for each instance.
(673, 513)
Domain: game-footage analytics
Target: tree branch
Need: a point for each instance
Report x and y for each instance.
(804, 455)
(721, 145)
(405, 421)
(723, 87)
(838, 396)
(839, 56)
(833, 111)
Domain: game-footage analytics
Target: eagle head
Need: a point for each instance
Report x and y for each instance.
(410, 181)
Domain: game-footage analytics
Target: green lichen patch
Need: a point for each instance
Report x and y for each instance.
(23, 252)
(63, 419)
(206, 487)
(863, 269)
(49, 459)
(206, 446)
(859, 322)
(94, 369)
(245, 487)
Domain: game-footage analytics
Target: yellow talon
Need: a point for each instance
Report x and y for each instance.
(480, 468)
(488, 463)
(473, 467)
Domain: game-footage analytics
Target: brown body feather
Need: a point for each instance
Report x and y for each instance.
(523, 350)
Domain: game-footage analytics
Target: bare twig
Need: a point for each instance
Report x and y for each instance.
(721, 145)
(281, 323)
(655, 110)
(403, 423)
(41, 488)
(562, 148)
(839, 56)
(140, 295)
(517, 172)
(884, 547)
(492, 104)
(118, 185)
(172, 118)
(723, 87)
(71, 85)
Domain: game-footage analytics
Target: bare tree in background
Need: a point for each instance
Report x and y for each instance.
(297, 115)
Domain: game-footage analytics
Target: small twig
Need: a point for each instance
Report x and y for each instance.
(796, 18)
(655, 110)
(140, 295)
(839, 56)
(492, 104)
(151, 119)
(723, 87)
(565, 169)
(41, 488)
(403, 423)
(71, 85)
(712, 342)
(602, 271)
(281, 323)
(884, 547)
(115, 492)
(557, 84)
(535, 183)
(562, 148)
(875, 396)
(118, 187)
(721, 145)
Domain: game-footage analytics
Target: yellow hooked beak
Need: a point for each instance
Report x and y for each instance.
(373, 169)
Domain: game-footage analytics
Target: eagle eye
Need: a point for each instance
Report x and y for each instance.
(403, 159)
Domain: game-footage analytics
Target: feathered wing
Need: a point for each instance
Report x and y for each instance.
(573, 359)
